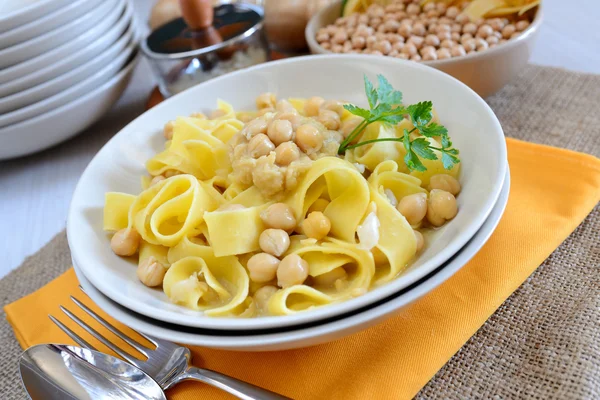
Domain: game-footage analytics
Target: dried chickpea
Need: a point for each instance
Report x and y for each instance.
(462, 18)
(508, 31)
(497, 24)
(458, 51)
(370, 41)
(413, 207)
(358, 42)
(280, 131)
(432, 40)
(279, 216)
(286, 153)
(340, 37)
(156, 179)
(465, 37)
(150, 272)
(484, 31)
(312, 106)
(398, 46)
(481, 44)
(262, 267)
(383, 46)
(125, 242)
(260, 145)
(492, 40)
(515, 35)
(413, 9)
(274, 241)
(455, 36)
(522, 25)
(319, 205)
(347, 46)
(309, 138)
(441, 207)
(444, 36)
(419, 29)
(405, 30)
(443, 54)
(429, 7)
(292, 270)
(470, 45)
(266, 100)
(417, 41)
(326, 45)
(322, 37)
(416, 57)
(428, 53)
(168, 130)
(447, 44)
(470, 28)
(409, 49)
(316, 225)
(420, 240)
(391, 25)
(452, 12)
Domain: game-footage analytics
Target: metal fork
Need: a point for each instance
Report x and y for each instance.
(168, 363)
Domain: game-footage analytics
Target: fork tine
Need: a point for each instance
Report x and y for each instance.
(101, 338)
(136, 345)
(78, 339)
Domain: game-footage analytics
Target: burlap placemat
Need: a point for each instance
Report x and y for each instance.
(543, 342)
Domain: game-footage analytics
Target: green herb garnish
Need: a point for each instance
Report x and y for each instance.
(385, 105)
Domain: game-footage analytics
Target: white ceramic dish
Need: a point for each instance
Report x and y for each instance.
(103, 74)
(67, 56)
(320, 332)
(46, 23)
(15, 54)
(67, 80)
(14, 13)
(119, 165)
(55, 126)
(485, 72)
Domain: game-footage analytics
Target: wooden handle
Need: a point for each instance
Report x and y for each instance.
(198, 14)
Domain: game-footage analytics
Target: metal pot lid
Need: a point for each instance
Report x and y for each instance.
(231, 23)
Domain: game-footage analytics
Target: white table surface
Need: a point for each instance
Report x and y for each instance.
(35, 191)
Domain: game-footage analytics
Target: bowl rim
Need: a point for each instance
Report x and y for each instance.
(311, 29)
(321, 312)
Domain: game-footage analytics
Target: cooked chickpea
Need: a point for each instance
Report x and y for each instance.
(254, 127)
(168, 130)
(441, 207)
(522, 25)
(156, 179)
(265, 111)
(443, 54)
(413, 207)
(309, 138)
(420, 240)
(313, 105)
(319, 205)
(125, 242)
(260, 145)
(279, 216)
(328, 279)
(292, 270)
(261, 297)
(286, 153)
(284, 106)
(274, 241)
(262, 267)
(508, 31)
(349, 125)
(280, 131)
(150, 272)
(330, 119)
(333, 105)
(316, 225)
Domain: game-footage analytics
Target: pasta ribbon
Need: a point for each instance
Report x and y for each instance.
(116, 210)
(373, 154)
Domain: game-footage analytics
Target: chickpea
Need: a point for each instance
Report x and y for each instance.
(465, 37)
(349, 125)
(447, 44)
(376, 53)
(265, 111)
(358, 42)
(443, 54)
(470, 45)
(340, 37)
(280, 131)
(286, 153)
(254, 127)
(125, 242)
(330, 119)
(413, 207)
(497, 24)
(316, 225)
(370, 41)
(168, 130)
(444, 36)
(484, 31)
(274, 241)
(455, 37)
(279, 216)
(418, 29)
(432, 40)
(309, 138)
(322, 37)
(481, 44)
(428, 53)
(262, 267)
(515, 35)
(312, 106)
(462, 18)
(455, 28)
(522, 25)
(262, 296)
(441, 7)
(150, 272)
(328, 279)
(452, 12)
(420, 240)
(413, 9)
(492, 40)
(375, 22)
(398, 46)
(284, 106)
(326, 45)
(405, 30)
(260, 145)
(394, 38)
(409, 49)
(391, 25)
(156, 179)
(441, 207)
(292, 270)
(429, 7)
(457, 51)
(383, 46)
(417, 41)
(347, 46)
(333, 105)
(416, 57)
(470, 28)
(319, 205)
(508, 31)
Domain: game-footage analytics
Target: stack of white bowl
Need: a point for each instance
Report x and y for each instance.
(63, 64)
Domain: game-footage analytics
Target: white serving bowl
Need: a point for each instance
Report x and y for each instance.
(59, 124)
(485, 72)
(69, 79)
(119, 165)
(47, 22)
(68, 56)
(304, 336)
(102, 74)
(14, 13)
(40, 44)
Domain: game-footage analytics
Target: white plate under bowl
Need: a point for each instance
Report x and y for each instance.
(308, 335)
(14, 13)
(120, 163)
(71, 54)
(102, 74)
(55, 126)
(46, 23)
(45, 42)
(67, 80)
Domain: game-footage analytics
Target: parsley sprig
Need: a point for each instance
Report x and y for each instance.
(385, 105)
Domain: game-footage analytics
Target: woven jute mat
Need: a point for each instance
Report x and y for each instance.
(543, 342)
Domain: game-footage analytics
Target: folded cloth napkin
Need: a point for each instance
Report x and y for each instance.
(552, 191)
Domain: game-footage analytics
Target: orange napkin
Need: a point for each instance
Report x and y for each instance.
(552, 192)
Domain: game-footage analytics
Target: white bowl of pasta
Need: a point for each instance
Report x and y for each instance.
(298, 212)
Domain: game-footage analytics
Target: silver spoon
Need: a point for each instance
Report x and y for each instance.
(61, 372)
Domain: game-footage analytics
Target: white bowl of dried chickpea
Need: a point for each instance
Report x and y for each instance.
(485, 54)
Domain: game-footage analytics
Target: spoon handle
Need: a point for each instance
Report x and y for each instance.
(240, 389)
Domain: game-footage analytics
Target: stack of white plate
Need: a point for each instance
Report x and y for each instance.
(112, 283)
(63, 64)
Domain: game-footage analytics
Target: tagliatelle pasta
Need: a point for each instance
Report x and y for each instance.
(254, 213)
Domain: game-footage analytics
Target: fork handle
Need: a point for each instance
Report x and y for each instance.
(240, 389)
